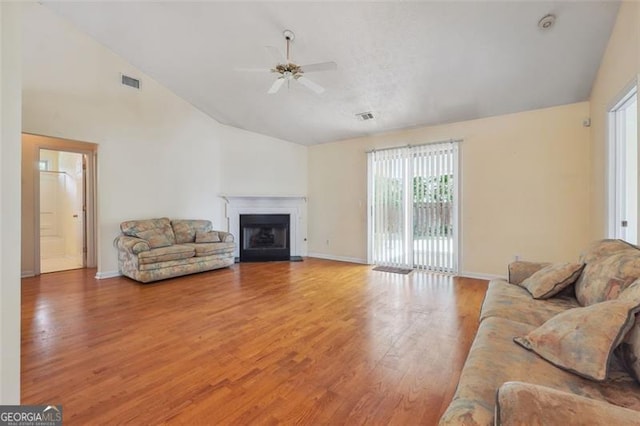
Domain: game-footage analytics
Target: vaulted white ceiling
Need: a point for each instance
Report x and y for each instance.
(410, 63)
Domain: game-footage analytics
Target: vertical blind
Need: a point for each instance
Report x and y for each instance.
(413, 207)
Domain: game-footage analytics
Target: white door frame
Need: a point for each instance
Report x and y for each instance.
(614, 157)
(90, 225)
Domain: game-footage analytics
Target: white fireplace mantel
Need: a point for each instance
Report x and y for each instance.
(294, 205)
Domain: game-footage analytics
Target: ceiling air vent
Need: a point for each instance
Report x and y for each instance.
(130, 81)
(364, 116)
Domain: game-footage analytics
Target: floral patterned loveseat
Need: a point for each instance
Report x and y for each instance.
(570, 356)
(157, 249)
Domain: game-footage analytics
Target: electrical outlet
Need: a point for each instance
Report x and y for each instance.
(516, 257)
(327, 242)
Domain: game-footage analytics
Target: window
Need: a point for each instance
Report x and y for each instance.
(43, 165)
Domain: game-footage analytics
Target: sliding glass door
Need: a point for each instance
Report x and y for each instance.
(413, 207)
(390, 233)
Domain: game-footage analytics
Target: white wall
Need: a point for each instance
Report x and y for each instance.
(10, 77)
(275, 167)
(525, 188)
(157, 155)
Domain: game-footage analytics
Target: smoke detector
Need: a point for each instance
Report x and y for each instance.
(547, 22)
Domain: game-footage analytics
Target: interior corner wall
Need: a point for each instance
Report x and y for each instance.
(524, 188)
(157, 154)
(620, 66)
(10, 76)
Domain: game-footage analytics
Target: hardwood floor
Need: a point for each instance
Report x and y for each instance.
(313, 342)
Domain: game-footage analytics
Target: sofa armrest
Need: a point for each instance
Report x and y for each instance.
(521, 270)
(225, 237)
(520, 403)
(131, 244)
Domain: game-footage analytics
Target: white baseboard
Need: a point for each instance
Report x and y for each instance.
(481, 276)
(338, 258)
(107, 274)
(27, 274)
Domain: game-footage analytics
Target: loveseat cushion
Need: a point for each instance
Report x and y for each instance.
(605, 277)
(163, 254)
(552, 279)
(190, 262)
(521, 403)
(186, 229)
(157, 229)
(582, 340)
(509, 301)
(494, 359)
(156, 238)
(208, 249)
(207, 237)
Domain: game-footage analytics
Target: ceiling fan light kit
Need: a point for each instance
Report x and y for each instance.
(288, 71)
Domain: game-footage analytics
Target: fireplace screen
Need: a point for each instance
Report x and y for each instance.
(264, 237)
(258, 237)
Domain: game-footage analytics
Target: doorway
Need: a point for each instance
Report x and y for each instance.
(61, 175)
(623, 167)
(62, 211)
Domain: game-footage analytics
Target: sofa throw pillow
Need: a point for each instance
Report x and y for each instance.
(582, 340)
(632, 292)
(629, 350)
(552, 279)
(603, 248)
(207, 237)
(155, 238)
(606, 277)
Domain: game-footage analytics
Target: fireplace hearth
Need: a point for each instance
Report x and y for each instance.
(264, 237)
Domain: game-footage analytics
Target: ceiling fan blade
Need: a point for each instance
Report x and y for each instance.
(276, 86)
(253, 69)
(276, 54)
(321, 66)
(310, 85)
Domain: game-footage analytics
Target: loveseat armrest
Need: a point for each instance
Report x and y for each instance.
(519, 403)
(520, 270)
(225, 237)
(133, 245)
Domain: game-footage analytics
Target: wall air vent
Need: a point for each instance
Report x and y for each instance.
(364, 116)
(130, 81)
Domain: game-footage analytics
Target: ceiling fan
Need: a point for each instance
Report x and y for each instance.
(287, 71)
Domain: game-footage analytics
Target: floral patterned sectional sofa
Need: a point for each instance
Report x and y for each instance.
(156, 249)
(557, 344)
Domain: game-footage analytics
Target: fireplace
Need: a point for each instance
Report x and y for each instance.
(293, 206)
(264, 237)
